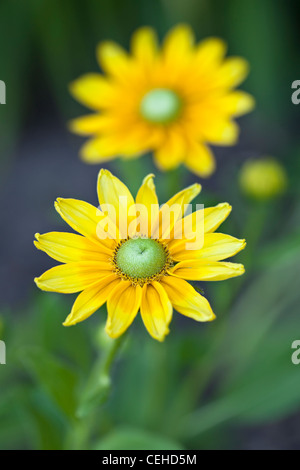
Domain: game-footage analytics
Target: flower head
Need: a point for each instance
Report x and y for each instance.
(138, 256)
(172, 100)
(263, 179)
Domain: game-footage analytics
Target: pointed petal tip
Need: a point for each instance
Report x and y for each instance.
(198, 187)
(225, 205)
(68, 323)
(150, 175)
(240, 269)
(212, 318)
(104, 171)
(110, 332)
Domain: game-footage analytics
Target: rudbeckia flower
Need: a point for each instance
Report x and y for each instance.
(172, 101)
(142, 264)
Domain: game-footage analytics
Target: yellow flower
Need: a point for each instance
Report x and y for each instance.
(128, 256)
(263, 179)
(172, 100)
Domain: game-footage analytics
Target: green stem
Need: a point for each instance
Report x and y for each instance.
(96, 391)
(98, 387)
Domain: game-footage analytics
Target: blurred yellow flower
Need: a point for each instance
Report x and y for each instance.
(263, 179)
(172, 100)
(142, 265)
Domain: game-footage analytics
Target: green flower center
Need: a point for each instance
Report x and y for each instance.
(141, 258)
(160, 106)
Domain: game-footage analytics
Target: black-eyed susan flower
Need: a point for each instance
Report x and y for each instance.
(263, 179)
(172, 101)
(137, 256)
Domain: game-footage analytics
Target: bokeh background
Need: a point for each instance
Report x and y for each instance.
(228, 385)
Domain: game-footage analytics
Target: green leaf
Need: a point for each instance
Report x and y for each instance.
(53, 376)
(127, 438)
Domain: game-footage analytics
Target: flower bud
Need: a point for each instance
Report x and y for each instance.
(263, 179)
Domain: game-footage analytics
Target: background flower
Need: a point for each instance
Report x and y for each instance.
(172, 100)
(263, 179)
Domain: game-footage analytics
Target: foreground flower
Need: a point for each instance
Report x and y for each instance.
(263, 179)
(172, 101)
(132, 271)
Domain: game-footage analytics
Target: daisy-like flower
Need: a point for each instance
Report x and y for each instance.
(134, 271)
(172, 100)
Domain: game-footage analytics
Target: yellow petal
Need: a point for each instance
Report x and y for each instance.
(113, 59)
(236, 103)
(144, 45)
(217, 247)
(122, 305)
(233, 71)
(86, 220)
(173, 210)
(172, 152)
(178, 44)
(137, 140)
(72, 277)
(196, 270)
(100, 149)
(91, 299)
(93, 90)
(204, 220)
(156, 310)
(69, 247)
(116, 198)
(147, 198)
(200, 160)
(214, 216)
(221, 132)
(91, 124)
(210, 52)
(186, 300)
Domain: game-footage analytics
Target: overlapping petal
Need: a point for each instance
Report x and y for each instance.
(116, 199)
(200, 160)
(186, 300)
(147, 200)
(69, 247)
(217, 247)
(194, 226)
(122, 305)
(173, 210)
(86, 220)
(156, 310)
(113, 59)
(73, 277)
(91, 299)
(197, 270)
(93, 90)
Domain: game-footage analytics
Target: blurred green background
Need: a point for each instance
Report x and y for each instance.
(227, 385)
